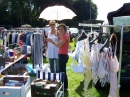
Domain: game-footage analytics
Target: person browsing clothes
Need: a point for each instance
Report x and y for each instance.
(52, 50)
(63, 46)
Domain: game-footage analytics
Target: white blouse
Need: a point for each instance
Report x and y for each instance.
(52, 50)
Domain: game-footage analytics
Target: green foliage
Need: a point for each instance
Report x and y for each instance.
(19, 12)
(82, 9)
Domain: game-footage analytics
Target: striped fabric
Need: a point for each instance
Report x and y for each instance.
(50, 76)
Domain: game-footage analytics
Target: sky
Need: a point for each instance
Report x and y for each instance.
(106, 6)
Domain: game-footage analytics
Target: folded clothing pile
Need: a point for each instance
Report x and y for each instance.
(14, 83)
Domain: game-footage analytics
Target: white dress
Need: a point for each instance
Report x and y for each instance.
(52, 50)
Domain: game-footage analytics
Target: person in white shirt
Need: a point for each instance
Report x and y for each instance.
(52, 50)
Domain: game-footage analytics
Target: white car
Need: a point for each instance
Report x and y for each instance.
(74, 31)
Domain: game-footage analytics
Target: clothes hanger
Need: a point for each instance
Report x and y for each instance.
(113, 35)
(98, 37)
(108, 41)
(106, 44)
(82, 35)
(113, 42)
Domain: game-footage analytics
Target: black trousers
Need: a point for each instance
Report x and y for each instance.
(63, 59)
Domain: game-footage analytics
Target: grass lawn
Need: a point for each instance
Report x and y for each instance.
(76, 84)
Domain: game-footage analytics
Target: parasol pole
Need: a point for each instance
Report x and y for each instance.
(57, 19)
(57, 23)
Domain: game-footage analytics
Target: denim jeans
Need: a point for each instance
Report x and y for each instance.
(63, 59)
(52, 67)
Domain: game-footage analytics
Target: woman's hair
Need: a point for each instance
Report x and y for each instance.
(52, 22)
(63, 25)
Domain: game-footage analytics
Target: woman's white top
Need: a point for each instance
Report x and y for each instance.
(52, 50)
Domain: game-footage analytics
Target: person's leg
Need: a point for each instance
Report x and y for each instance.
(51, 61)
(63, 59)
(57, 65)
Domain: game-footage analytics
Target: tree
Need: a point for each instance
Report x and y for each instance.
(82, 9)
(18, 12)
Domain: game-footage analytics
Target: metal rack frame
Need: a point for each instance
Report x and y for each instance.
(121, 44)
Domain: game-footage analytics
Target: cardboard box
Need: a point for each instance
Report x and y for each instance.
(12, 91)
(16, 69)
(17, 54)
(42, 91)
(9, 59)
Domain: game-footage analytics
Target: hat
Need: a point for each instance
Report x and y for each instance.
(52, 22)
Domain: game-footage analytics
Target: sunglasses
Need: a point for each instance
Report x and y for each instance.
(52, 24)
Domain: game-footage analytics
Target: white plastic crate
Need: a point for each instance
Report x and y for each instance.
(10, 91)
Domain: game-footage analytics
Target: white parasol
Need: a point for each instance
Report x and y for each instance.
(57, 13)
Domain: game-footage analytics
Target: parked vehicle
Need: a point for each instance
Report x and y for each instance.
(74, 31)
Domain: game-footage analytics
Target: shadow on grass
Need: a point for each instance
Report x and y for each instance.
(103, 92)
(66, 93)
(79, 89)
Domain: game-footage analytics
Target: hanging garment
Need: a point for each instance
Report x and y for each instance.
(75, 54)
(86, 60)
(28, 38)
(79, 67)
(86, 55)
(37, 49)
(94, 58)
(13, 38)
(79, 51)
(5, 42)
(44, 36)
(113, 62)
(102, 73)
(87, 80)
(114, 67)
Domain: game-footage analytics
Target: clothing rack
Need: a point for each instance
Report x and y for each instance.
(21, 30)
(11, 30)
(121, 40)
(29, 28)
(35, 30)
(33, 46)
